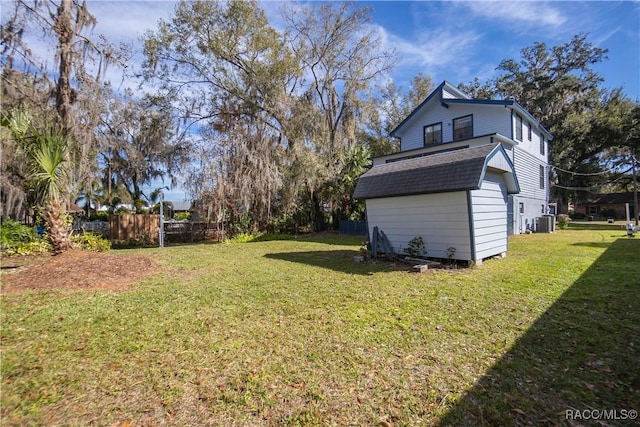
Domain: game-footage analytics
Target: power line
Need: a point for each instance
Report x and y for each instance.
(580, 173)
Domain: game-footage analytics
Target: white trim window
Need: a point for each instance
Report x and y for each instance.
(433, 134)
(463, 127)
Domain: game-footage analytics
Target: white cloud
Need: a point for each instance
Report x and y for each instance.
(519, 12)
(431, 51)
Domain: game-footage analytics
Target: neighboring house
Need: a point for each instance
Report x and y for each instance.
(175, 207)
(612, 205)
(454, 126)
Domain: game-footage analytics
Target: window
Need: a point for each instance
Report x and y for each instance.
(542, 150)
(433, 134)
(462, 128)
(529, 131)
(521, 207)
(542, 180)
(518, 127)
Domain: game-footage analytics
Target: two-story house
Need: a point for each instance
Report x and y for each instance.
(469, 172)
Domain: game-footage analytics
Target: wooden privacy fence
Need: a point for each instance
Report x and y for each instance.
(128, 227)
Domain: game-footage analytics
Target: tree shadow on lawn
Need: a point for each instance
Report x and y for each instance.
(582, 354)
(337, 260)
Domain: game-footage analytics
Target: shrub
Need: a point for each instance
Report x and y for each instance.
(182, 216)
(39, 246)
(91, 242)
(18, 239)
(99, 216)
(241, 238)
(563, 221)
(416, 247)
(13, 233)
(257, 237)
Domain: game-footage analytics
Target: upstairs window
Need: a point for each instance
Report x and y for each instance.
(529, 131)
(518, 127)
(433, 134)
(542, 150)
(463, 128)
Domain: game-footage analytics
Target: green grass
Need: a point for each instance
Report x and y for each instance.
(296, 333)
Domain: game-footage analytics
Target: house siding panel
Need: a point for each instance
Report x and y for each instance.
(489, 205)
(528, 172)
(486, 120)
(441, 219)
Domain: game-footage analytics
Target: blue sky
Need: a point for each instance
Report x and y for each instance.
(454, 41)
(457, 41)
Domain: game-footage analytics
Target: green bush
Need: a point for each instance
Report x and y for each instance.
(99, 216)
(91, 242)
(563, 221)
(13, 234)
(39, 246)
(416, 247)
(257, 237)
(181, 216)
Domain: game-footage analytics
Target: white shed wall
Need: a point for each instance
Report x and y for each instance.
(489, 205)
(441, 219)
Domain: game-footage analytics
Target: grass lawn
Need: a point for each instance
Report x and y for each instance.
(296, 333)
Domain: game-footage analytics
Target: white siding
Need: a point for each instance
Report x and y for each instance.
(441, 219)
(531, 146)
(527, 169)
(489, 205)
(486, 120)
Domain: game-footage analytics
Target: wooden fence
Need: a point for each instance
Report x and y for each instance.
(130, 227)
(144, 228)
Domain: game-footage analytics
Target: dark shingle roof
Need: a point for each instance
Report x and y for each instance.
(614, 198)
(457, 170)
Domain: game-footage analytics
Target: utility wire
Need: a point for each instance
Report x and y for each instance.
(584, 174)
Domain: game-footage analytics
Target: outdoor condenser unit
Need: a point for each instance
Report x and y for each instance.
(546, 224)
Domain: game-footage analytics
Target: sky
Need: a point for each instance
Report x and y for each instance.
(453, 41)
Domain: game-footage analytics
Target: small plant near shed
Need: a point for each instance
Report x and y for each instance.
(416, 247)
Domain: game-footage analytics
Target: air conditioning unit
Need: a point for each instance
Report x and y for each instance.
(546, 224)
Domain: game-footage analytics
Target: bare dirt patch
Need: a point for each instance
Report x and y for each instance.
(74, 270)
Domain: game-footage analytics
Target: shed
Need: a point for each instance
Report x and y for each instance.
(456, 201)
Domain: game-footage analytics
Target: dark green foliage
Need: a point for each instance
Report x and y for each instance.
(13, 234)
(18, 239)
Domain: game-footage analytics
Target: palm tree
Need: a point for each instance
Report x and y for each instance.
(48, 179)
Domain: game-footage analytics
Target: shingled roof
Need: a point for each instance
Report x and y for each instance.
(457, 170)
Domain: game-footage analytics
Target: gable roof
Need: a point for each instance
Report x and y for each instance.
(457, 170)
(456, 96)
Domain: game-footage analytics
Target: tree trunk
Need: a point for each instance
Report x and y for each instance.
(318, 214)
(58, 231)
(65, 32)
